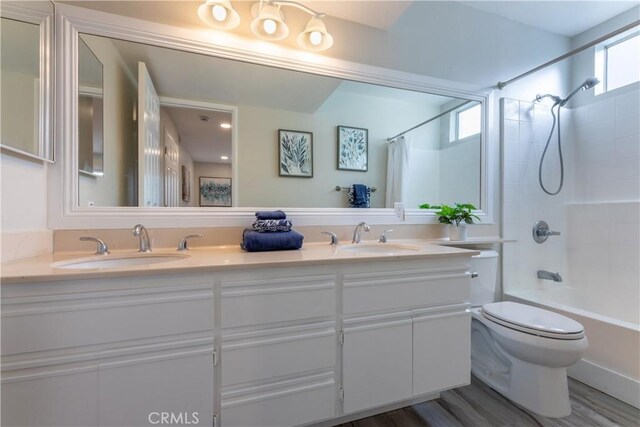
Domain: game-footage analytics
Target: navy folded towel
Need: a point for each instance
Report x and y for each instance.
(271, 215)
(359, 196)
(272, 225)
(254, 241)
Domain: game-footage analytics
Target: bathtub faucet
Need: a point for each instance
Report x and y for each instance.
(547, 275)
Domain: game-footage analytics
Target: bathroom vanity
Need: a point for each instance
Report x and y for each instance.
(234, 339)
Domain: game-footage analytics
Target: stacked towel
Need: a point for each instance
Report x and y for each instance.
(359, 196)
(254, 241)
(271, 232)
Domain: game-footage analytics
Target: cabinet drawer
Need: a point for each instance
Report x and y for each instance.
(260, 355)
(386, 291)
(287, 403)
(441, 348)
(256, 302)
(376, 360)
(74, 320)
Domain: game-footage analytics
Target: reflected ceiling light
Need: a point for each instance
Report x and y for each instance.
(219, 14)
(269, 21)
(225, 125)
(224, 157)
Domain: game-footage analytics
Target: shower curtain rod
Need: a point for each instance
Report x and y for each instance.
(430, 120)
(502, 85)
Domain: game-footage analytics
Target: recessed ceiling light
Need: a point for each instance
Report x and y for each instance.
(224, 157)
(225, 125)
(205, 118)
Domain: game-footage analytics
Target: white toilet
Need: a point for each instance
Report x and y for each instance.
(519, 350)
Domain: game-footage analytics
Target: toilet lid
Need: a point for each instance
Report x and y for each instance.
(533, 320)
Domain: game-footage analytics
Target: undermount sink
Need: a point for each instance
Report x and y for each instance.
(119, 261)
(380, 248)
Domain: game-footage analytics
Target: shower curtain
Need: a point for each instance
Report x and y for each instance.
(397, 171)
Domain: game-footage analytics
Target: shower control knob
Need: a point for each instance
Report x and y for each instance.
(541, 232)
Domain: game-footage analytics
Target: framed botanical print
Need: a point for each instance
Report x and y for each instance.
(295, 153)
(353, 148)
(215, 191)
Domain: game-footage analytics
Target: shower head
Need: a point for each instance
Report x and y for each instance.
(556, 99)
(586, 85)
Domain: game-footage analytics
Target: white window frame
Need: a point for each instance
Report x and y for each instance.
(601, 59)
(454, 120)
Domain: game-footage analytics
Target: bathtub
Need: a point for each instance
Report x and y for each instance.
(612, 362)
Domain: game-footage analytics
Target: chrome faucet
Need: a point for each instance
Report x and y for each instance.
(102, 248)
(183, 245)
(358, 231)
(384, 236)
(547, 275)
(141, 232)
(334, 237)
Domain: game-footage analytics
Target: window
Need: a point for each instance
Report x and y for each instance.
(468, 121)
(618, 62)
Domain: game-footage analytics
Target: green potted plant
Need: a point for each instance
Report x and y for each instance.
(457, 217)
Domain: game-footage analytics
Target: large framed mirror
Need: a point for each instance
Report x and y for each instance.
(26, 77)
(227, 122)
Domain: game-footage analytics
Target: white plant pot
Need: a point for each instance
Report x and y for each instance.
(457, 232)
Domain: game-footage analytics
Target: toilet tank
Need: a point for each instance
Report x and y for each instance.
(483, 287)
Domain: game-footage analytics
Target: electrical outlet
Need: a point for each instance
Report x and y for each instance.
(398, 208)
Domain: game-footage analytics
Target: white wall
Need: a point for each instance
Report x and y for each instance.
(20, 111)
(258, 149)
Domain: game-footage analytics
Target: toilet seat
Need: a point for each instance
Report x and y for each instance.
(533, 320)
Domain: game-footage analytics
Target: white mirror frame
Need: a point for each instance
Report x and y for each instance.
(64, 212)
(30, 13)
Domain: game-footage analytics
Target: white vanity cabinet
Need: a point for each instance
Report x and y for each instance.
(109, 352)
(279, 346)
(406, 331)
(256, 347)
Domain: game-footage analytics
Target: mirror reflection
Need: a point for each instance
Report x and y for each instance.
(20, 74)
(170, 136)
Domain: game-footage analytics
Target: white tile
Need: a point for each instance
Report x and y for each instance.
(627, 189)
(627, 168)
(602, 110)
(511, 193)
(541, 134)
(526, 111)
(628, 104)
(627, 212)
(542, 114)
(527, 152)
(511, 109)
(580, 117)
(510, 231)
(625, 234)
(627, 125)
(599, 133)
(512, 172)
(526, 132)
(511, 213)
(511, 151)
(511, 130)
(597, 153)
(627, 146)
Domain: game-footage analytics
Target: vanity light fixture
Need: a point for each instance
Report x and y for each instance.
(269, 21)
(219, 14)
(225, 125)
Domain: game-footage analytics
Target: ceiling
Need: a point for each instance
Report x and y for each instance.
(378, 14)
(568, 18)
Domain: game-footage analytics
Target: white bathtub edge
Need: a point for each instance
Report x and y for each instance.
(610, 382)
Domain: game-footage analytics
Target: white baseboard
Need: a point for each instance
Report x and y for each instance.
(607, 381)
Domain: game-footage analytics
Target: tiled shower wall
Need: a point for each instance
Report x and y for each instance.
(598, 211)
(525, 131)
(604, 218)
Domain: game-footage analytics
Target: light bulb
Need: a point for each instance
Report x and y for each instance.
(269, 26)
(315, 37)
(219, 13)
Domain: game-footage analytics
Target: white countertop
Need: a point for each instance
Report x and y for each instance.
(216, 258)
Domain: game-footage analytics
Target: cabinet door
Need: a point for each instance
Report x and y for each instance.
(376, 359)
(171, 388)
(441, 348)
